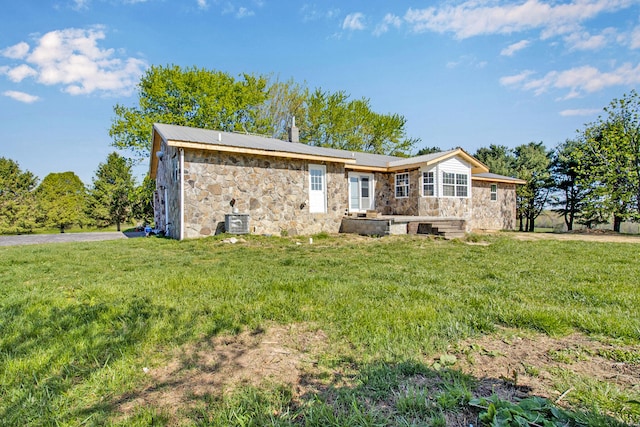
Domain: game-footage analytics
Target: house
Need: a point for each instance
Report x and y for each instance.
(209, 181)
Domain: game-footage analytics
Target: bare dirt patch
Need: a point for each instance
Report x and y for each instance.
(220, 365)
(531, 362)
(511, 364)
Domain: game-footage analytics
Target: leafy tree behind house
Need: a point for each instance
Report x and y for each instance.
(109, 201)
(17, 201)
(333, 120)
(428, 150)
(215, 100)
(498, 158)
(188, 97)
(62, 201)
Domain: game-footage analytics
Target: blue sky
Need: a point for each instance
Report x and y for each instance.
(463, 73)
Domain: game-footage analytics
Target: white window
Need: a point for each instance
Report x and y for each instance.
(428, 184)
(461, 185)
(448, 184)
(402, 185)
(455, 184)
(494, 192)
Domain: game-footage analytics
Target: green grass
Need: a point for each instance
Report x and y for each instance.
(79, 321)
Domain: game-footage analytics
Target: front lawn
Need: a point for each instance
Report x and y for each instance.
(81, 325)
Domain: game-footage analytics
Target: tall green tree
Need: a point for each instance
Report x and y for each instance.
(110, 197)
(611, 160)
(335, 121)
(532, 165)
(62, 201)
(285, 101)
(17, 201)
(569, 191)
(189, 97)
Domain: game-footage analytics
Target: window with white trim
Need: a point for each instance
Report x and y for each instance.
(455, 184)
(462, 189)
(494, 192)
(448, 184)
(428, 184)
(402, 185)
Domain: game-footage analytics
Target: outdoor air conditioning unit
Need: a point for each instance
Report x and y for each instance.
(236, 223)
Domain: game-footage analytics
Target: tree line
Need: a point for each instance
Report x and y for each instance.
(591, 179)
(62, 200)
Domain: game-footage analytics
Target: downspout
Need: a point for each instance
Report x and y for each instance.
(181, 194)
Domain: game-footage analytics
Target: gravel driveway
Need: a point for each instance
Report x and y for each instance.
(36, 239)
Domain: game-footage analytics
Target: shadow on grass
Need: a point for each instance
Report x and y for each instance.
(61, 347)
(407, 393)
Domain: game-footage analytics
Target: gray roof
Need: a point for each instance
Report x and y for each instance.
(240, 140)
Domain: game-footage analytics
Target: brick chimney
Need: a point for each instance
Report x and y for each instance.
(294, 132)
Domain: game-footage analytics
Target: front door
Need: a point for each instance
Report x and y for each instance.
(317, 189)
(360, 192)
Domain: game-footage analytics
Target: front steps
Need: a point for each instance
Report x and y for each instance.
(449, 229)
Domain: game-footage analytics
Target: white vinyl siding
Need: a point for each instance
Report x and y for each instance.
(453, 178)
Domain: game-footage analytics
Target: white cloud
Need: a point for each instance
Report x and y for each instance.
(17, 51)
(353, 21)
(515, 79)
(202, 4)
(21, 96)
(577, 81)
(21, 72)
(583, 40)
(389, 20)
(482, 17)
(579, 112)
(72, 58)
(513, 48)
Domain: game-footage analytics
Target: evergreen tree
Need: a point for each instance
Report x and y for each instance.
(17, 201)
(110, 197)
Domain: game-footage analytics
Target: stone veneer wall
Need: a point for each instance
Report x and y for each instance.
(271, 190)
(386, 201)
(493, 215)
(446, 207)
